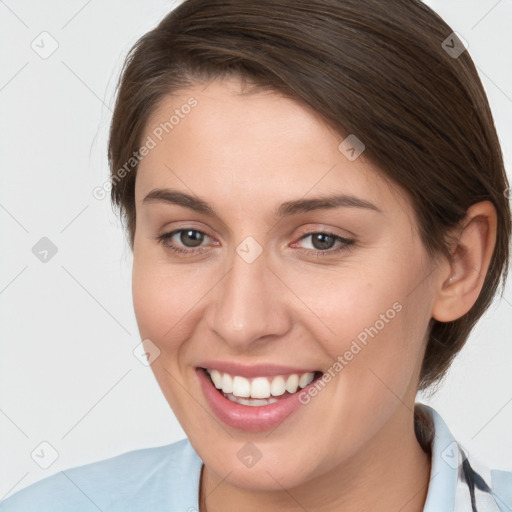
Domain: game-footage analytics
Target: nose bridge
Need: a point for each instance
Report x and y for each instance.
(246, 306)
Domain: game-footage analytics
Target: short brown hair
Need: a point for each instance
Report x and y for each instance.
(371, 68)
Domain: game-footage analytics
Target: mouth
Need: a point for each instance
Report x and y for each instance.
(255, 403)
(259, 391)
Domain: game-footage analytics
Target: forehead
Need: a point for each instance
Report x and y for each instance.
(218, 141)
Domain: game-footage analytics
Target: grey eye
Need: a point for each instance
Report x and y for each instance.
(322, 241)
(190, 237)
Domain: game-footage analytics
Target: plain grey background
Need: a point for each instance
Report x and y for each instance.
(68, 376)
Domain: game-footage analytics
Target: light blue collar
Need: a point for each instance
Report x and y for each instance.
(459, 483)
(444, 470)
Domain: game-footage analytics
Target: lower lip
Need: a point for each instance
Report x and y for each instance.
(245, 417)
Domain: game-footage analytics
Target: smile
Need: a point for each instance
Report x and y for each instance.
(259, 391)
(256, 401)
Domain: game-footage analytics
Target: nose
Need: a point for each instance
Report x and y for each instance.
(249, 305)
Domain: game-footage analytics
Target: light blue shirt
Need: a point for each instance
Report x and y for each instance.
(166, 479)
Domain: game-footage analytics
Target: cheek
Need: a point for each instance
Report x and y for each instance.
(167, 299)
(370, 324)
(158, 307)
(345, 305)
(164, 309)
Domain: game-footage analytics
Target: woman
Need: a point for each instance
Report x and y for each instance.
(315, 197)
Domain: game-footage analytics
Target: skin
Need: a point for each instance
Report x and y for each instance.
(353, 446)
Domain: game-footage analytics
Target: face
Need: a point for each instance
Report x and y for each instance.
(242, 266)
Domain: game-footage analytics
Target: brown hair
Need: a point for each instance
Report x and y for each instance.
(372, 68)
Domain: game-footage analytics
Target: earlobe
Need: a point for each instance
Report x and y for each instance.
(474, 243)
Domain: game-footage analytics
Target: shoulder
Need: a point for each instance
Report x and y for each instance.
(501, 488)
(459, 481)
(146, 479)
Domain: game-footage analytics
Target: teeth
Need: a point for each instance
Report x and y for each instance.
(292, 383)
(252, 402)
(305, 379)
(216, 378)
(241, 387)
(259, 387)
(227, 383)
(278, 386)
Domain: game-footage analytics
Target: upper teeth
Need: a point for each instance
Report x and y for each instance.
(259, 387)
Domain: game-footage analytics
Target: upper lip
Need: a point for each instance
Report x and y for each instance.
(254, 370)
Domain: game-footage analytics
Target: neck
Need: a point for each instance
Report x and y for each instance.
(391, 473)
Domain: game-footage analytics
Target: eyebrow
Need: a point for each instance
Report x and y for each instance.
(176, 197)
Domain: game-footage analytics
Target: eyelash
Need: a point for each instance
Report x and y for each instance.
(345, 243)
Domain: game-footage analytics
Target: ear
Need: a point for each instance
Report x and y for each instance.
(472, 249)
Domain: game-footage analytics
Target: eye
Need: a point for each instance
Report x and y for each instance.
(325, 242)
(190, 241)
(183, 240)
